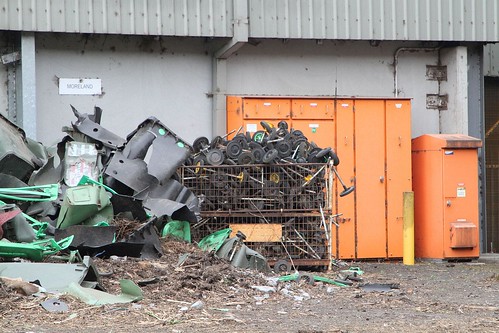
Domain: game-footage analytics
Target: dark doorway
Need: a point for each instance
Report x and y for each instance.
(492, 162)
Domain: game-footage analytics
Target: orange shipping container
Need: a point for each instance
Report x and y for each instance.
(372, 138)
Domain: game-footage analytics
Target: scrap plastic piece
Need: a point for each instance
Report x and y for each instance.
(16, 158)
(295, 276)
(80, 160)
(53, 277)
(84, 205)
(55, 305)
(214, 241)
(13, 225)
(35, 251)
(48, 192)
(177, 229)
(130, 292)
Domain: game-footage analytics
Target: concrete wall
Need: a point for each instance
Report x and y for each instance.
(141, 77)
(304, 68)
(171, 78)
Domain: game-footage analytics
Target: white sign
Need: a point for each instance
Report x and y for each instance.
(80, 87)
(251, 128)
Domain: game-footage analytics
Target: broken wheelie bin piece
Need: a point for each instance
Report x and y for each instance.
(214, 241)
(177, 229)
(13, 224)
(86, 205)
(31, 193)
(239, 255)
(16, 159)
(35, 251)
(296, 276)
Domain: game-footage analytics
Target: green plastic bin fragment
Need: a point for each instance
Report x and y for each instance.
(85, 205)
(130, 292)
(48, 192)
(214, 241)
(294, 277)
(35, 251)
(177, 229)
(86, 180)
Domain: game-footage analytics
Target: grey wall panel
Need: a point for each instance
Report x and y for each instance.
(196, 18)
(169, 78)
(491, 60)
(341, 68)
(437, 20)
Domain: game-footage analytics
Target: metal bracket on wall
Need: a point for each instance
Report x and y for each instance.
(436, 101)
(436, 73)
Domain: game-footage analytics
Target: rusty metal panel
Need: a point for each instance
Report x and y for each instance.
(196, 18)
(375, 19)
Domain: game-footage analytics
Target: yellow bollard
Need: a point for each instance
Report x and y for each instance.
(408, 226)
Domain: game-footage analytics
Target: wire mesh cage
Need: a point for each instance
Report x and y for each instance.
(260, 187)
(299, 236)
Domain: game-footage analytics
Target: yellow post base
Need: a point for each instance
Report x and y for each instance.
(408, 228)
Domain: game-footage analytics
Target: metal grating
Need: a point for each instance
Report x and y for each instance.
(283, 209)
(303, 237)
(259, 187)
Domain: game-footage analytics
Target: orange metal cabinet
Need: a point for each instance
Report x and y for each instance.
(312, 109)
(372, 138)
(344, 243)
(446, 207)
(370, 178)
(267, 108)
(398, 171)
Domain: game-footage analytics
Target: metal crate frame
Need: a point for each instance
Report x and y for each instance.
(265, 188)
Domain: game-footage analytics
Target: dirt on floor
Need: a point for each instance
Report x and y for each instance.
(206, 294)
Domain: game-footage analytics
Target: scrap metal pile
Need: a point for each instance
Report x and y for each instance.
(95, 194)
(274, 186)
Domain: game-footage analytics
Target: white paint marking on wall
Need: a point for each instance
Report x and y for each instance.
(80, 86)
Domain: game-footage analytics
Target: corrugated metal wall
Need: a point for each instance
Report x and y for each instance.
(491, 60)
(436, 20)
(204, 18)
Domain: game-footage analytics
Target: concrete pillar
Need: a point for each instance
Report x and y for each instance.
(26, 86)
(455, 118)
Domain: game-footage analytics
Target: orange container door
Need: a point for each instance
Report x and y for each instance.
(234, 114)
(398, 170)
(460, 199)
(371, 178)
(344, 235)
(428, 209)
(319, 131)
(312, 109)
(266, 108)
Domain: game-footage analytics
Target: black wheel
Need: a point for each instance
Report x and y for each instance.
(270, 156)
(234, 149)
(245, 158)
(200, 143)
(282, 266)
(215, 157)
(305, 278)
(258, 154)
